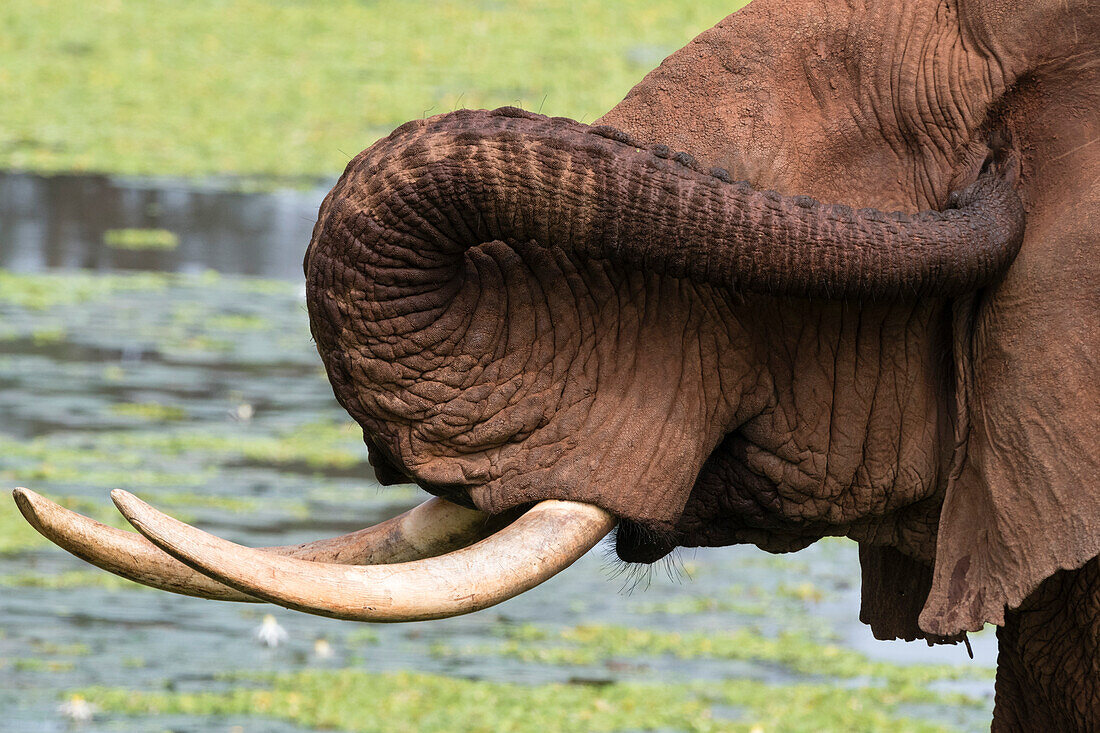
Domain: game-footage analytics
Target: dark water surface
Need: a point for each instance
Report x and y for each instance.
(60, 222)
(200, 391)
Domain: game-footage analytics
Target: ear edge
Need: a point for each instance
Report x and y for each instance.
(1023, 495)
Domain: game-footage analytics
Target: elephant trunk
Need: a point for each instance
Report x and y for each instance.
(405, 211)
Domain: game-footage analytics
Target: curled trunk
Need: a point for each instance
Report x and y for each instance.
(406, 210)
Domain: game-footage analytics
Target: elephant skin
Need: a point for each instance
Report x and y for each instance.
(824, 272)
(592, 341)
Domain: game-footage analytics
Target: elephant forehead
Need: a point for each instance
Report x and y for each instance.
(866, 106)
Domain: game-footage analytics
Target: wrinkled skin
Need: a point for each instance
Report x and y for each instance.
(954, 437)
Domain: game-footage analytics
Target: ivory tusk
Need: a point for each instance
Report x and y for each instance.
(542, 542)
(432, 528)
(117, 551)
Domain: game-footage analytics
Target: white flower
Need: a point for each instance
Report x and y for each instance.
(77, 709)
(242, 412)
(322, 649)
(270, 633)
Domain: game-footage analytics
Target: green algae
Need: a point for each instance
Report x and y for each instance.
(294, 89)
(73, 468)
(294, 456)
(805, 592)
(196, 500)
(44, 336)
(17, 536)
(354, 700)
(69, 579)
(34, 664)
(129, 458)
(795, 652)
(41, 291)
(737, 599)
(141, 239)
(149, 411)
(362, 637)
(316, 444)
(237, 322)
(75, 649)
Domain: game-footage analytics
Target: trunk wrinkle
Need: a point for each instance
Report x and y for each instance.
(407, 210)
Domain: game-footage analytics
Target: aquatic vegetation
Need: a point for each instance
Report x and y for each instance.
(34, 664)
(795, 652)
(706, 604)
(129, 404)
(362, 637)
(105, 476)
(77, 649)
(522, 632)
(555, 656)
(353, 700)
(204, 88)
(47, 335)
(38, 291)
(265, 286)
(70, 579)
(237, 322)
(41, 291)
(132, 458)
(784, 563)
(197, 315)
(195, 500)
(805, 591)
(735, 599)
(151, 411)
(339, 492)
(319, 444)
(17, 536)
(139, 239)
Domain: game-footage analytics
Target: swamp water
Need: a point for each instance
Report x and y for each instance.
(187, 375)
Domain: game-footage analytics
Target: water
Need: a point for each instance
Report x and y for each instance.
(197, 387)
(60, 222)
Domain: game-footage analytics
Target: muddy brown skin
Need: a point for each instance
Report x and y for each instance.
(518, 308)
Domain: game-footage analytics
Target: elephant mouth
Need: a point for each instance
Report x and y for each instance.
(434, 561)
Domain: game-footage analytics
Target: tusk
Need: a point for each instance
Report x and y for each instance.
(545, 540)
(117, 551)
(432, 528)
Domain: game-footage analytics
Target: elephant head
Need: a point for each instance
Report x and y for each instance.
(524, 311)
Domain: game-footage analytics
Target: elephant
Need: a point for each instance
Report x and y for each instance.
(862, 303)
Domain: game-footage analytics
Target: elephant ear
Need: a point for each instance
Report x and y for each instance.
(894, 589)
(1023, 498)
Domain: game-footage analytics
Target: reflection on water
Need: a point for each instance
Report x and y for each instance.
(60, 221)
